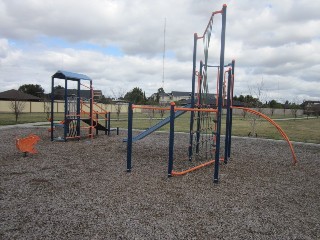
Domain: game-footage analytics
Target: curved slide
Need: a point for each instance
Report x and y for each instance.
(284, 135)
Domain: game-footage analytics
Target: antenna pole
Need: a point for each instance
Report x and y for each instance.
(164, 50)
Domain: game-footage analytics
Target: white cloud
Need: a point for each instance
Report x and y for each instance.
(278, 41)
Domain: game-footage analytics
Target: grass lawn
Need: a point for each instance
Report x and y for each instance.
(302, 130)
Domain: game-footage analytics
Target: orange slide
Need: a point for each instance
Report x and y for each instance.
(26, 145)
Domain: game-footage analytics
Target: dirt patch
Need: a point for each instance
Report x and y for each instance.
(80, 190)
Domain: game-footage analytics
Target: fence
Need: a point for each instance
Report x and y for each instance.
(42, 107)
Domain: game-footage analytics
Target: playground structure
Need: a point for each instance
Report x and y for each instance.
(80, 116)
(205, 112)
(27, 144)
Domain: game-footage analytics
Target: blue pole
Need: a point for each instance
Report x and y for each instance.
(171, 139)
(129, 141)
(217, 153)
(78, 110)
(91, 110)
(200, 106)
(52, 107)
(231, 110)
(107, 123)
(66, 123)
(195, 39)
(227, 138)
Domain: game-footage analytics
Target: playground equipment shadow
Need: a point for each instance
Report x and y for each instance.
(80, 190)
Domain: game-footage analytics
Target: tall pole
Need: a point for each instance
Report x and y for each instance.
(171, 139)
(195, 39)
(231, 103)
(129, 141)
(66, 122)
(228, 136)
(164, 50)
(219, 113)
(52, 106)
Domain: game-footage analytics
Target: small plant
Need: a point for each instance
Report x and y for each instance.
(17, 107)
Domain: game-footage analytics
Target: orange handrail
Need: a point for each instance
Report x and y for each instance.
(196, 109)
(280, 130)
(149, 107)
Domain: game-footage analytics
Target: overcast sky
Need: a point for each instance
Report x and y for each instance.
(119, 44)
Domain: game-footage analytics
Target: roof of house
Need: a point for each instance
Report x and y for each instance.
(180, 94)
(17, 95)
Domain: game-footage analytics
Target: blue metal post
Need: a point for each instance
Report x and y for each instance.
(217, 153)
(52, 107)
(227, 138)
(171, 139)
(97, 121)
(91, 110)
(107, 123)
(195, 39)
(129, 141)
(200, 106)
(66, 110)
(78, 110)
(231, 110)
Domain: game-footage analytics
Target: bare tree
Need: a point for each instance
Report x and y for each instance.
(47, 109)
(118, 97)
(257, 91)
(17, 107)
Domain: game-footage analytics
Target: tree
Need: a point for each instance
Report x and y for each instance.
(32, 89)
(105, 100)
(273, 104)
(294, 109)
(258, 91)
(160, 91)
(17, 107)
(135, 96)
(118, 95)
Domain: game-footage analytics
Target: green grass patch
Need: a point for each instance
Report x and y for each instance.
(302, 130)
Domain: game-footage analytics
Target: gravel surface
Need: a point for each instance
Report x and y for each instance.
(80, 190)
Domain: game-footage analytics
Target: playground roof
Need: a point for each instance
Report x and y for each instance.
(70, 76)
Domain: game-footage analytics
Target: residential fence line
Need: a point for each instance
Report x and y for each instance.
(43, 107)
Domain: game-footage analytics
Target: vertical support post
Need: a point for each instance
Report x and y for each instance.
(107, 123)
(227, 138)
(217, 153)
(52, 107)
(66, 122)
(231, 103)
(199, 106)
(129, 141)
(97, 122)
(91, 111)
(78, 111)
(171, 139)
(195, 39)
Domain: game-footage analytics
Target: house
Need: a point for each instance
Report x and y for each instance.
(15, 95)
(177, 96)
(311, 107)
(85, 94)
